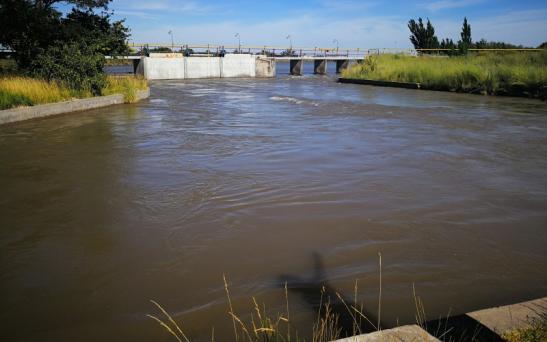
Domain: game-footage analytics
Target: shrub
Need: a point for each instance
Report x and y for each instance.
(75, 65)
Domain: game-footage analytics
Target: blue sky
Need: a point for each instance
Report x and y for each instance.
(354, 23)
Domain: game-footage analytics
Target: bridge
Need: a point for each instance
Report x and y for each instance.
(160, 61)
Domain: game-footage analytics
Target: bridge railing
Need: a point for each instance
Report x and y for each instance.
(274, 51)
(285, 51)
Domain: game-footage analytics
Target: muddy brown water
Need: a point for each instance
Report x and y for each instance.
(289, 179)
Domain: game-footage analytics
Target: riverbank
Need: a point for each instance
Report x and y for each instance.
(510, 74)
(49, 109)
(18, 91)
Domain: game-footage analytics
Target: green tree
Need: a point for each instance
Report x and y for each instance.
(466, 42)
(423, 36)
(448, 44)
(30, 27)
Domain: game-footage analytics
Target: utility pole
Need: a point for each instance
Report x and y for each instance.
(238, 42)
(172, 41)
(290, 40)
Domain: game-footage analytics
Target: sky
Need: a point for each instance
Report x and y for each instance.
(318, 23)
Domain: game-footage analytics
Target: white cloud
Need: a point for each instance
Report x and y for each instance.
(448, 4)
(319, 27)
(306, 31)
(168, 6)
(348, 5)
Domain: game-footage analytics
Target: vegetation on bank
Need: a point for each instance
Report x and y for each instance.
(535, 332)
(60, 55)
(19, 91)
(516, 74)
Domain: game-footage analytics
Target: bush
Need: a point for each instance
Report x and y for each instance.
(75, 65)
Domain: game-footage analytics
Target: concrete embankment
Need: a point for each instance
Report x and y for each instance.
(406, 85)
(482, 325)
(49, 109)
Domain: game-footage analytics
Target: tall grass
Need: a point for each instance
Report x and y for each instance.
(261, 327)
(18, 91)
(126, 85)
(34, 91)
(521, 74)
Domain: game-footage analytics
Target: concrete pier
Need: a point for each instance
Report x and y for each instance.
(296, 66)
(320, 66)
(342, 64)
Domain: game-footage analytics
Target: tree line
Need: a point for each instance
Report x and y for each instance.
(422, 36)
(68, 48)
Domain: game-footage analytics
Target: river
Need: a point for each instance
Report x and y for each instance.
(295, 179)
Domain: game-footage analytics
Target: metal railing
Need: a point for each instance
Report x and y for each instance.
(287, 51)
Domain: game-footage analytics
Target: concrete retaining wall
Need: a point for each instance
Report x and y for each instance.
(406, 85)
(160, 67)
(45, 110)
(482, 325)
(202, 67)
(239, 66)
(265, 67)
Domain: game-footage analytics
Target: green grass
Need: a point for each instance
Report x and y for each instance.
(517, 73)
(16, 91)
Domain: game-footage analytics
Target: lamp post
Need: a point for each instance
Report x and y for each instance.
(238, 42)
(172, 41)
(290, 40)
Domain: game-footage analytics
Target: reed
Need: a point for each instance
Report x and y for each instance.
(519, 74)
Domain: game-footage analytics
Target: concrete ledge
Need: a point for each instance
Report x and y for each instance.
(405, 333)
(505, 318)
(49, 109)
(380, 83)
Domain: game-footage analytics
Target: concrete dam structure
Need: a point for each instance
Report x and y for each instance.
(163, 66)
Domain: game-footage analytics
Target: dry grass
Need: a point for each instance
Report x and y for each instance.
(18, 91)
(262, 327)
(126, 85)
(33, 90)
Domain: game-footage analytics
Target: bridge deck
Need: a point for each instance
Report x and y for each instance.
(306, 58)
(321, 58)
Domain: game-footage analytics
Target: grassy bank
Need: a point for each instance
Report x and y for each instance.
(516, 74)
(16, 91)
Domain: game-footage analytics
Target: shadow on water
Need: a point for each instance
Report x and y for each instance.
(316, 290)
